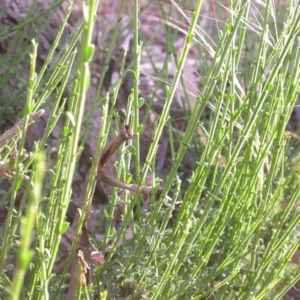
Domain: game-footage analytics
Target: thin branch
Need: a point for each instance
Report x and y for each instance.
(16, 129)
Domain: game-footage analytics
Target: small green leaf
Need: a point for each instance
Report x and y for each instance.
(134, 75)
(66, 130)
(129, 178)
(106, 215)
(235, 115)
(139, 128)
(103, 295)
(64, 206)
(270, 87)
(231, 98)
(31, 84)
(141, 102)
(89, 53)
(19, 183)
(26, 257)
(31, 107)
(130, 149)
(64, 227)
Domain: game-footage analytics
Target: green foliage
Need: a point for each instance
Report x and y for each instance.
(220, 234)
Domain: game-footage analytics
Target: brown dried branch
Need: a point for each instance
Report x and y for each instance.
(8, 166)
(15, 130)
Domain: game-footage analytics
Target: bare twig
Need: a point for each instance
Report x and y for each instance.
(15, 130)
(8, 167)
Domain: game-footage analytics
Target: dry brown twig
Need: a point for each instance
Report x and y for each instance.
(8, 166)
(16, 129)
